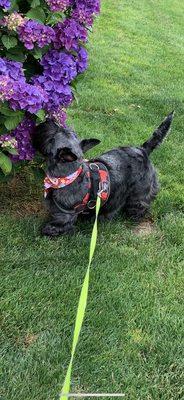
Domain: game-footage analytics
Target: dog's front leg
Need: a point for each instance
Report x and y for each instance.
(59, 224)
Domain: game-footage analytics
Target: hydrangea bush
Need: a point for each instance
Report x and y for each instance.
(42, 52)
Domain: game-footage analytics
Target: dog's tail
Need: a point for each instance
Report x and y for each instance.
(159, 134)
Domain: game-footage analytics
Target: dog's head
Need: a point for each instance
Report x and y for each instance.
(60, 145)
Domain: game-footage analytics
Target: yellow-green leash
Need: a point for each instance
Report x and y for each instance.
(81, 307)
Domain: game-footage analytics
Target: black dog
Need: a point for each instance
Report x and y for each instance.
(124, 177)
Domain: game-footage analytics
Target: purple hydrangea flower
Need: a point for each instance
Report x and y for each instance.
(59, 66)
(33, 32)
(5, 4)
(27, 97)
(21, 95)
(58, 95)
(13, 87)
(20, 139)
(82, 60)
(59, 69)
(59, 5)
(59, 116)
(68, 34)
(6, 88)
(12, 69)
(23, 134)
(85, 11)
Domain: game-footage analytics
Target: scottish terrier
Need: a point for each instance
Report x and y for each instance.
(124, 178)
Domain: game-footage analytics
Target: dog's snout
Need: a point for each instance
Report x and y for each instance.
(65, 154)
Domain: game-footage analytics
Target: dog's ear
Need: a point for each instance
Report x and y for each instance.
(87, 144)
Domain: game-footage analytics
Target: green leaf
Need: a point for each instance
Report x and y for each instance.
(41, 115)
(9, 41)
(37, 54)
(14, 6)
(16, 57)
(54, 18)
(5, 163)
(73, 84)
(12, 122)
(5, 110)
(37, 13)
(75, 95)
(1, 14)
(12, 150)
(81, 306)
(35, 3)
(3, 130)
(17, 53)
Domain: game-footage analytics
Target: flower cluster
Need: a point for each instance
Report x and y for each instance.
(30, 32)
(59, 116)
(44, 80)
(82, 60)
(6, 88)
(59, 69)
(10, 73)
(59, 5)
(12, 21)
(8, 141)
(12, 69)
(85, 11)
(20, 139)
(13, 87)
(33, 32)
(27, 97)
(59, 66)
(5, 4)
(69, 34)
(23, 134)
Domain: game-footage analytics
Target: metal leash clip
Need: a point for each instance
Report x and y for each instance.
(103, 187)
(91, 204)
(92, 165)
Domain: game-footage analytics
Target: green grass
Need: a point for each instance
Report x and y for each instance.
(132, 337)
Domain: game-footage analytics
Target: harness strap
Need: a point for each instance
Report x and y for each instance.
(98, 185)
(95, 179)
(63, 210)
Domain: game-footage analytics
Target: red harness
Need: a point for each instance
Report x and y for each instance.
(98, 185)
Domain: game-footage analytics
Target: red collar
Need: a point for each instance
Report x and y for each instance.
(98, 185)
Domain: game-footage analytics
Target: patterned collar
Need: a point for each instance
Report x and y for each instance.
(58, 183)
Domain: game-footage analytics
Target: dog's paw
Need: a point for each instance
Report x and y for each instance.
(54, 231)
(50, 230)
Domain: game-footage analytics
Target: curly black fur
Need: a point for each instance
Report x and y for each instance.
(134, 183)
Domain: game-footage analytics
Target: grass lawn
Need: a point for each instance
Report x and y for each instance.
(132, 337)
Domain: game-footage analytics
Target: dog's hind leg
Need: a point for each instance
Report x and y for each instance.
(137, 211)
(139, 202)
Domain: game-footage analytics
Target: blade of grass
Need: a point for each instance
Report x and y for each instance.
(81, 306)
